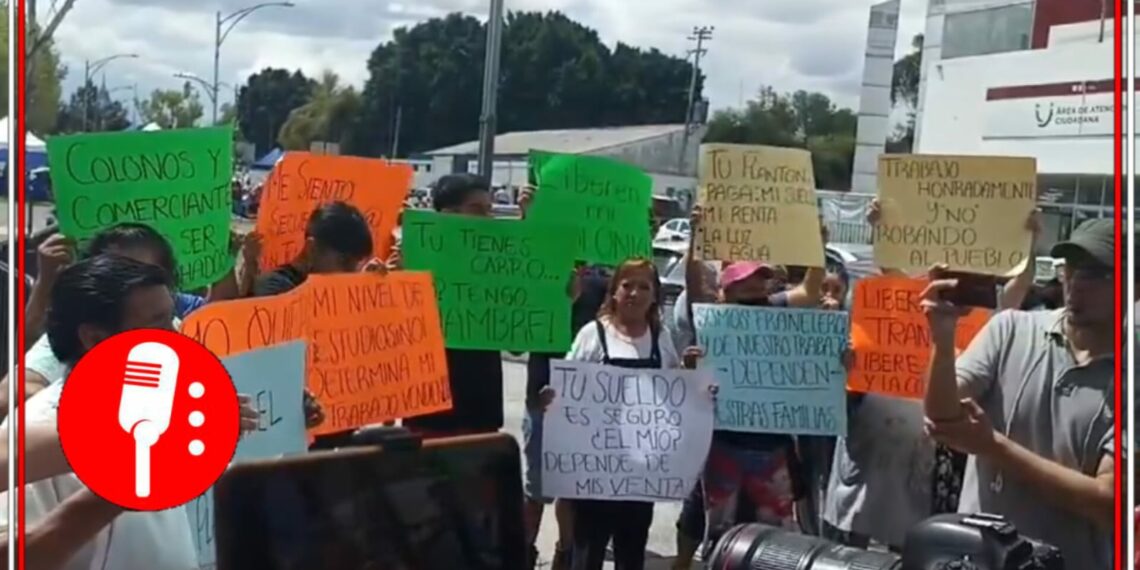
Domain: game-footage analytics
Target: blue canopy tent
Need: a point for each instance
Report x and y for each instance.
(268, 161)
(35, 158)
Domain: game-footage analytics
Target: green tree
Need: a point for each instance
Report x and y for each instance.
(44, 90)
(327, 117)
(265, 101)
(172, 108)
(904, 92)
(802, 120)
(554, 73)
(102, 113)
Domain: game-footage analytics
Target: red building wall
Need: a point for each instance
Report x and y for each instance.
(1049, 13)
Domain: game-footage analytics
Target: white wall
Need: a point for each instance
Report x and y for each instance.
(953, 118)
(875, 96)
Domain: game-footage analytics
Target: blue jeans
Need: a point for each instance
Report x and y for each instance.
(532, 452)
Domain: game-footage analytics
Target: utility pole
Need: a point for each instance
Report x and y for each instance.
(488, 118)
(700, 34)
(396, 134)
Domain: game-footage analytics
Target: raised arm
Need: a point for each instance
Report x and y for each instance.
(1015, 290)
(55, 539)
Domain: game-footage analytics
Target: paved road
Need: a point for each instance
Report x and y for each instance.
(662, 535)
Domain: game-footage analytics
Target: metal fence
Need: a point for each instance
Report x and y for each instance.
(845, 214)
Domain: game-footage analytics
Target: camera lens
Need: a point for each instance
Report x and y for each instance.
(762, 547)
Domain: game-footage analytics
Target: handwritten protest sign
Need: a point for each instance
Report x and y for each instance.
(625, 434)
(758, 204)
(374, 348)
(232, 327)
(891, 338)
(176, 181)
(377, 348)
(607, 200)
(273, 378)
(969, 212)
(778, 370)
(502, 285)
(301, 181)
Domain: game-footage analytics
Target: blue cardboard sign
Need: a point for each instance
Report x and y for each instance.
(777, 370)
(274, 377)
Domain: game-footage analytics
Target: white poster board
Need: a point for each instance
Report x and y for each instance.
(625, 434)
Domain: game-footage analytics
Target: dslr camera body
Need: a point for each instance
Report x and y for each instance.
(943, 542)
(975, 542)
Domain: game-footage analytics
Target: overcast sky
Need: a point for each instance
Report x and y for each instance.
(789, 44)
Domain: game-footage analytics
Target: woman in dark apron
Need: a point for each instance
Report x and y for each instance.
(627, 333)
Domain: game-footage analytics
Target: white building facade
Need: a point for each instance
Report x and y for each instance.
(1025, 78)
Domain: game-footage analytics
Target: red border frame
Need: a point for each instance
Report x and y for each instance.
(21, 210)
(1118, 167)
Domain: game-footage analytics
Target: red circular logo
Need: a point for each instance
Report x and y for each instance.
(149, 419)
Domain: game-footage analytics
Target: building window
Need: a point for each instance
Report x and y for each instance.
(991, 30)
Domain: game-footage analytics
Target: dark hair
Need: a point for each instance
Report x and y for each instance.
(452, 190)
(340, 227)
(95, 291)
(130, 235)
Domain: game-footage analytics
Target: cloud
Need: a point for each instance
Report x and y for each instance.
(800, 44)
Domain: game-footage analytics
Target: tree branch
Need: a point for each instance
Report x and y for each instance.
(56, 20)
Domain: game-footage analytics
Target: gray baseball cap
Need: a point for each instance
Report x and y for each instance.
(1093, 239)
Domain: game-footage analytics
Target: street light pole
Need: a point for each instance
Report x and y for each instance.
(212, 91)
(220, 36)
(91, 68)
(488, 118)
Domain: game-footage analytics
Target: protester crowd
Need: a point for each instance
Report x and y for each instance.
(1018, 424)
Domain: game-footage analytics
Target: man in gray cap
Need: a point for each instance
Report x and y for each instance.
(1031, 402)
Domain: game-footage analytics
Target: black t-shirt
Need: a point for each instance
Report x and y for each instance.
(594, 286)
(280, 280)
(476, 378)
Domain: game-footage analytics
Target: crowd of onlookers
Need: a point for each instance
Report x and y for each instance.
(1017, 424)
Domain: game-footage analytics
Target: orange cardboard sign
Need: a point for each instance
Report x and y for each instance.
(891, 338)
(374, 343)
(302, 181)
(232, 327)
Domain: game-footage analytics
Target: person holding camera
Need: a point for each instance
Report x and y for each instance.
(1031, 402)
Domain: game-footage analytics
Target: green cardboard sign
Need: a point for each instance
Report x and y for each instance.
(501, 284)
(177, 182)
(607, 202)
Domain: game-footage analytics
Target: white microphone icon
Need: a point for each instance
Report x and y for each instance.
(149, 383)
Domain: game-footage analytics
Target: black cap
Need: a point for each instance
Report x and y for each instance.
(1093, 239)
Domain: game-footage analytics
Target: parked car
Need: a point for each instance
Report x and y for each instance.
(676, 229)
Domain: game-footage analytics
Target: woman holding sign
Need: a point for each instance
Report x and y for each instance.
(627, 333)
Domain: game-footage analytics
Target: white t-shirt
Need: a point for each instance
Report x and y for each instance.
(160, 540)
(41, 360)
(587, 346)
